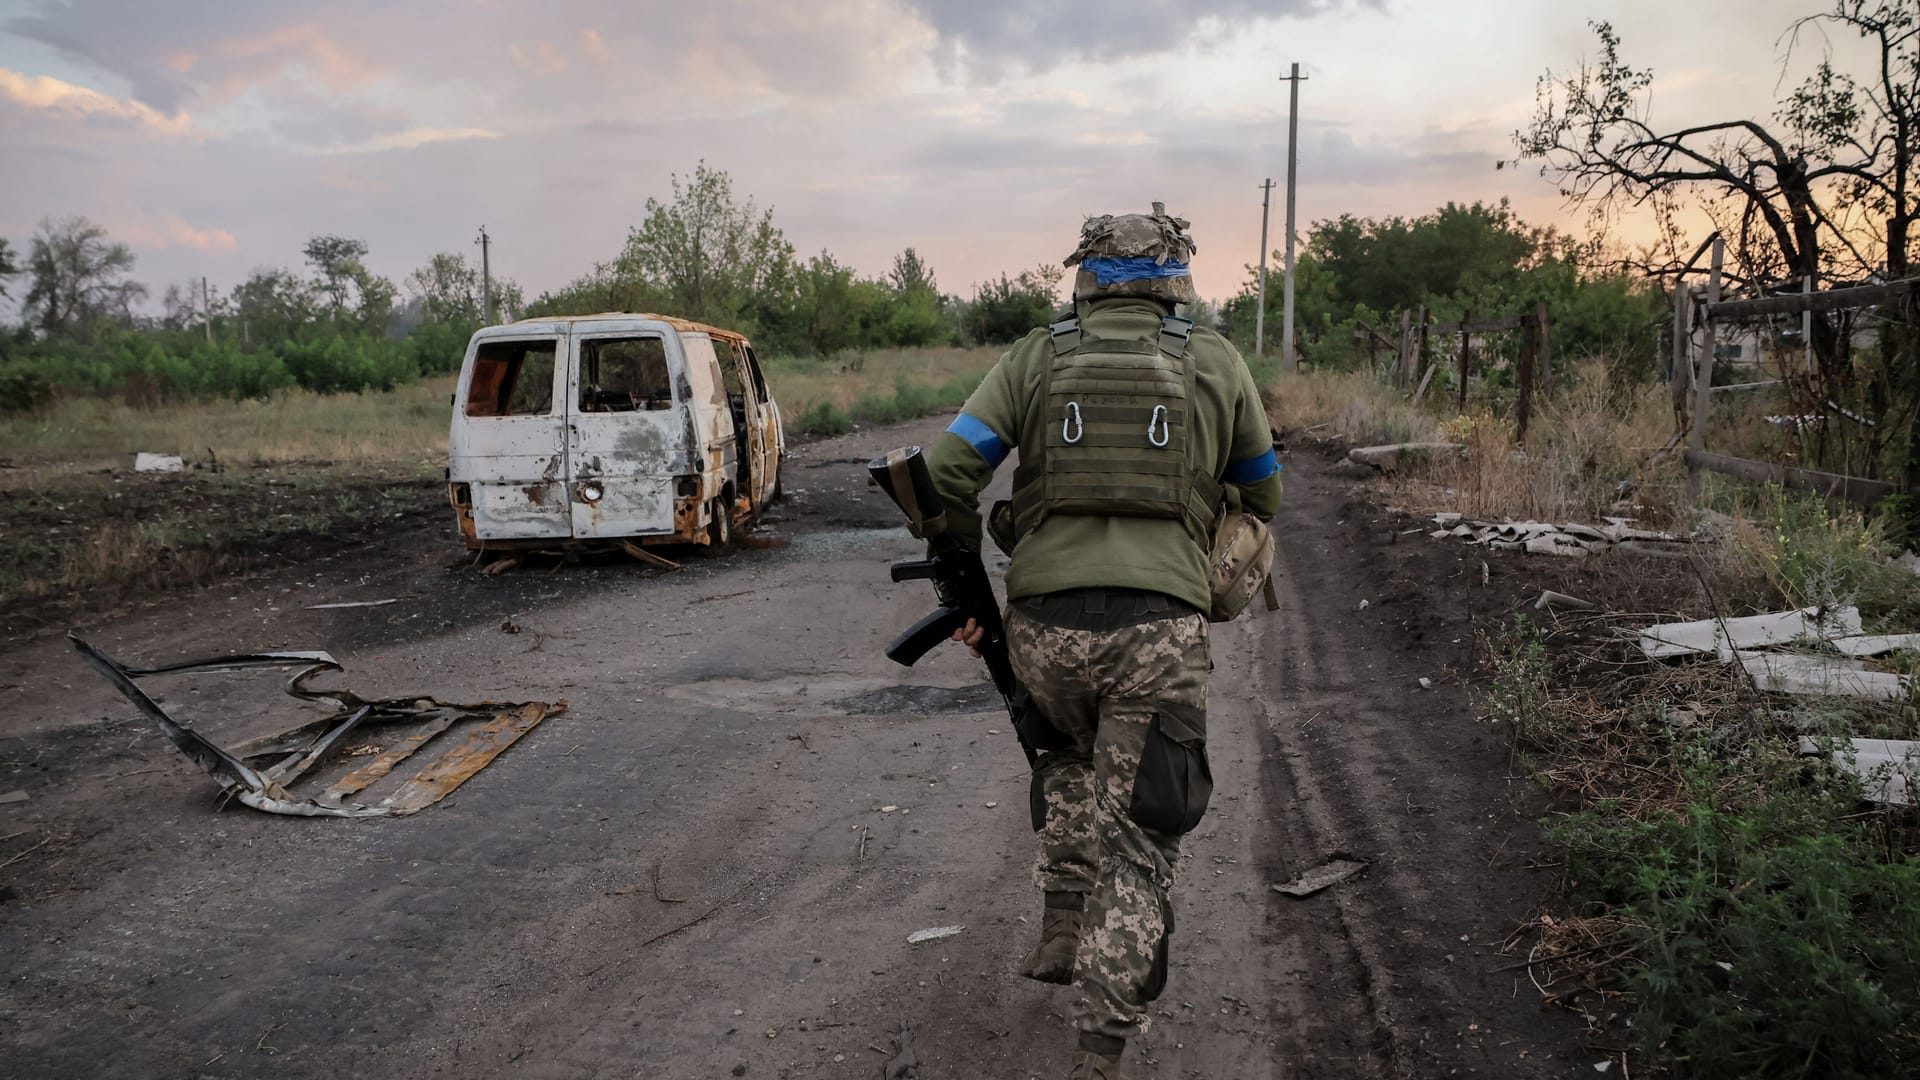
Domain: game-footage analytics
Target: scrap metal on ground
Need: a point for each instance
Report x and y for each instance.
(262, 772)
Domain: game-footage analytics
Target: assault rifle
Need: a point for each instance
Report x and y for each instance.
(959, 580)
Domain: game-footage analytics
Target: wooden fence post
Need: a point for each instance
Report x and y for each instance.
(1466, 357)
(1546, 350)
(1703, 369)
(1406, 343)
(1420, 358)
(1523, 409)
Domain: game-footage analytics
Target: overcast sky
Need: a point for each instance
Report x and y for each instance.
(215, 137)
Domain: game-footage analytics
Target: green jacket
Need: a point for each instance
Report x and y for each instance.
(1229, 429)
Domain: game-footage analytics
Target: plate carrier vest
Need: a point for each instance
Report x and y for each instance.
(1116, 434)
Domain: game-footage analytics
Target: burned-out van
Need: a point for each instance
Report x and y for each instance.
(608, 428)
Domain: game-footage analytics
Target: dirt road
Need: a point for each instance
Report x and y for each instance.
(690, 874)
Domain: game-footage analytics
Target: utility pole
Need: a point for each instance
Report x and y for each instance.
(206, 305)
(1288, 361)
(486, 276)
(1260, 307)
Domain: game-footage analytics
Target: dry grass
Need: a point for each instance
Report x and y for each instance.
(405, 425)
(1350, 406)
(1583, 445)
(843, 380)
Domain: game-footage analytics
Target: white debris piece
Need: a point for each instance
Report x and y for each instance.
(1876, 644)
(1389, 458)
(1721, 637)
(1820, 676)
(145, 462)
(933, 933)
(1890, 768)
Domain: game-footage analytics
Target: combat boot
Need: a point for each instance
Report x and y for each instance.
(1098, 1057)
(1051, 961)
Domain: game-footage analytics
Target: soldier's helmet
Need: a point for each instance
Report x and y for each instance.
(1134, 255)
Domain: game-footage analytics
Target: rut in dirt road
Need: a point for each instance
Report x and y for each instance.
(710, 865)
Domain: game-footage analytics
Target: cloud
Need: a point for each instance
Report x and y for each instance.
(47, 94)
(168, 230)
(987, 37)
(412, 139)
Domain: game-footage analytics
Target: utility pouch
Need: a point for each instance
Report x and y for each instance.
(1241, 562)
(1171, 790)
(1000, 528)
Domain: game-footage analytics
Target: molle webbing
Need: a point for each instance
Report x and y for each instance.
(1116, 432)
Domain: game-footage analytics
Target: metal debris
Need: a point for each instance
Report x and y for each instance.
(262, 772)
(933, 933)
(1888, 768)
(1335, 870)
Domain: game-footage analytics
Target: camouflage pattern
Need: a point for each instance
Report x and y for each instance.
(1102, 688)
(1157, 236)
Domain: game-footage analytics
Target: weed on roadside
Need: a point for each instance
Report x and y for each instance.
(1758, 918)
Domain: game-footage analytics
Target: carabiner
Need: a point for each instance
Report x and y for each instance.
(1071, 428)
(1165, 432)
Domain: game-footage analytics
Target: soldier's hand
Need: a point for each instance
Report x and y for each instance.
(971, 635)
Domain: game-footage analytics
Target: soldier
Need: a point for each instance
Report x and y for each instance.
(1132, 424)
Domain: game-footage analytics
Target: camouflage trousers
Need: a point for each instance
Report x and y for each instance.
(1125, 698)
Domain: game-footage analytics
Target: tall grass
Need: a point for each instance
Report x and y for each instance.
(826, 397)
(406, 424)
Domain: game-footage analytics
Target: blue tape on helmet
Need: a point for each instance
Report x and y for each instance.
(1112, 271)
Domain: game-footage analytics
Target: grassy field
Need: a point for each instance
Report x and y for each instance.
(300, 473)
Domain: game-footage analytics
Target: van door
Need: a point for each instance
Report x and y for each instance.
(745, 404)
(627, 433)
(713, 418)
(508, 441)
(772, 438)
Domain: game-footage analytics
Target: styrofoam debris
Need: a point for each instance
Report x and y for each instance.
(1889, 768)
(145, 462)
(1668, 640)
(1550, 600)
(933, 933)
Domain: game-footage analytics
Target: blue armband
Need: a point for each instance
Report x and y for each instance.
(1252, 470)
(991, 448)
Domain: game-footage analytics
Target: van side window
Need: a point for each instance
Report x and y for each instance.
(730, 363)
(624, 375)
(512, 378)
(753, 368)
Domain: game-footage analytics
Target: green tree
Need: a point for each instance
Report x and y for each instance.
(8, 266)
(1005, 308)
(914, 314)
(704, 255)
(272, 306)
(337, 261)
(448, 289)
(79, 278)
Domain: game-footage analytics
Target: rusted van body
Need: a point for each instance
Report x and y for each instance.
(603, 428)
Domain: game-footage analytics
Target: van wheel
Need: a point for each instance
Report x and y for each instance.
(719, 525)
